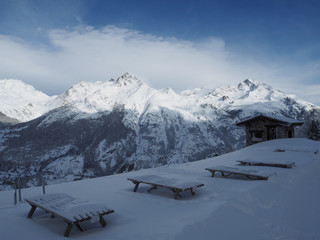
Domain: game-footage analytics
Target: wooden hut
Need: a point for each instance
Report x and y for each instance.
(264, 127)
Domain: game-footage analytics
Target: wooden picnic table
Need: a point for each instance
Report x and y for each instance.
(228, 171)
(268, 164)
(176, 186)
(71, 210)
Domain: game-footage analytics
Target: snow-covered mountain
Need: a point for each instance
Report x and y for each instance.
(250, 96)
(102, 128)
(21, 102)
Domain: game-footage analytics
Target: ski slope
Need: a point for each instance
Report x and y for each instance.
(284, 207)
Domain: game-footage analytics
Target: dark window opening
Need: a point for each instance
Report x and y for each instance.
(271, 133)
(256, 136)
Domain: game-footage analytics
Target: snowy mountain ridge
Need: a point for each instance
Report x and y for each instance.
(103, 128)
(130, 91)
(22, 102)
(245, 93)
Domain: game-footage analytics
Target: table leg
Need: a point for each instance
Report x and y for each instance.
(176, 194)
(152, 188)
(33, 208)
(102, 221)
(79, 227)
(68, 229)
(136, 187)
(192, 192)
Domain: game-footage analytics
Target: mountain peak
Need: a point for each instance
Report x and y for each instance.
(14, 85)
(21, 101)
(20, 90)
(126, 79)
(248, 84)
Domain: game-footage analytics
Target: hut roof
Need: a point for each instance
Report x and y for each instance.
(276, 118)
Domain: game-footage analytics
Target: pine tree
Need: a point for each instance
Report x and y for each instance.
(314, 132)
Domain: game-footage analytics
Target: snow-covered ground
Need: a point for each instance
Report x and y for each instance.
(286, 206)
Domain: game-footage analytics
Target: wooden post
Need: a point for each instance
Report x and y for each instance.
(43, 185)
(19, 189)
(15, 194)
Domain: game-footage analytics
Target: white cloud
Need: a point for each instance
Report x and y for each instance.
(89, 54)
(310, 93)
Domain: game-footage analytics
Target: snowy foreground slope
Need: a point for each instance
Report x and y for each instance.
(284, 207)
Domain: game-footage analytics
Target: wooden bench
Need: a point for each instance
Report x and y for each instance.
(272, 164)
(174, 185)
(71, 210)
(228, 171)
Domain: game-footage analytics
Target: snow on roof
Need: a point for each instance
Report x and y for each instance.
(278, 118)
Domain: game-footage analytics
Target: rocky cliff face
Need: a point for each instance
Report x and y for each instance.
(103, 128)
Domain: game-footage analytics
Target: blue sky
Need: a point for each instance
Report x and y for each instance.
(179, 44)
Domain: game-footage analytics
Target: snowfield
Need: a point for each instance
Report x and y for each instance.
(286, 206)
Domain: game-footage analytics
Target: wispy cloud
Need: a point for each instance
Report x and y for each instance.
(88, 54)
